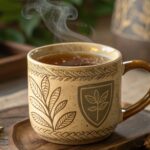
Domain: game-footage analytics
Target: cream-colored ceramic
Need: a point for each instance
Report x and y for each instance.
(75, 105)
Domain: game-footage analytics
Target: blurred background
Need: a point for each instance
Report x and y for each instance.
(14, 27)
(18, 35)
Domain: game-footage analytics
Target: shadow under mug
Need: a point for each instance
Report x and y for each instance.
(79, 104)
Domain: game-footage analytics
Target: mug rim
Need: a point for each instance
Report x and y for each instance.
(29, 58)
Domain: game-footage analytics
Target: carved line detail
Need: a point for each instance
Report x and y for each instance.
(92, 102)
(48, 105)
(73, 75)
(74, 136)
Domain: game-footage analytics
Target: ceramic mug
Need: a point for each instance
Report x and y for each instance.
(78, 104)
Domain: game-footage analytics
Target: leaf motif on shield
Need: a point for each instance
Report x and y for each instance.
(99, 102)
(95, 101)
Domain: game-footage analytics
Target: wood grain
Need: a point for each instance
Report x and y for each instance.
(130, 133)
(7, 118)
(13, 65)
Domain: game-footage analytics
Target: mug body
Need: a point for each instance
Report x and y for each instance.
(74, 105)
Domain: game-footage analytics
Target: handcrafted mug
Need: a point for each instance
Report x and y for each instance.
(78, 104)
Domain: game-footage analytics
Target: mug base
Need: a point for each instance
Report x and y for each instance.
(77, 141)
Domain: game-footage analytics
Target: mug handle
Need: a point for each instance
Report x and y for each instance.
(143, 102)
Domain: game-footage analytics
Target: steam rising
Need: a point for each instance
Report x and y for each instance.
(55, 16)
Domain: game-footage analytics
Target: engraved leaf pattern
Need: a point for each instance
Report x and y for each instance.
(91, 99)
(45, 86)
(37, 118)
(54, 97)
(97, 96)
(59, 107)
(44, 102)
(37, 104)
(93, 108)
(104, 96)
(103, 105)
(98, 102)
(65, 120)
(35, 89)
(46, 131)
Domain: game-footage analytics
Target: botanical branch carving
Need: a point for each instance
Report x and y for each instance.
(46, 103)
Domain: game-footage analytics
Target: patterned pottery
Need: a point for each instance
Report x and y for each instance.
(131, 28)
(75, 105)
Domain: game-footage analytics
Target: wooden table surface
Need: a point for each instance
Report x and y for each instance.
(127, 134)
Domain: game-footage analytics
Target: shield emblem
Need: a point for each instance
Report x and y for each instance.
(95, 101)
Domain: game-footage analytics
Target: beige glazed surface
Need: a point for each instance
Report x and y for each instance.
(75, 105)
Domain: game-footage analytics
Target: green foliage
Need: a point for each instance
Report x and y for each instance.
(93, 9)
(28, 26)
(9, 10)
(14, 27)
(12, 35)
(40, 36)
(76, 2)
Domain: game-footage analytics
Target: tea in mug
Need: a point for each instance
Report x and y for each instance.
(72, 59)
